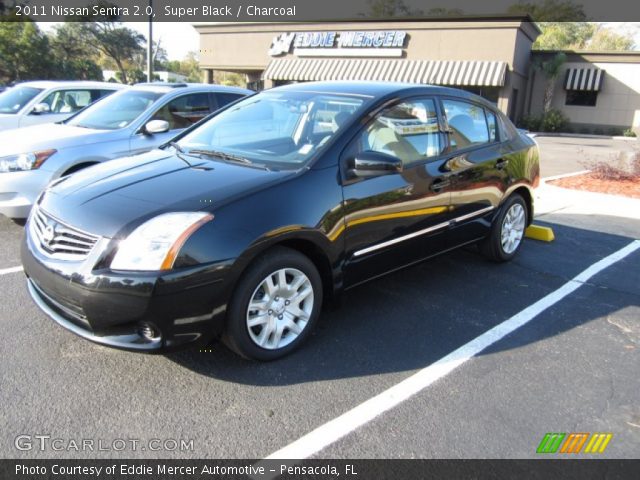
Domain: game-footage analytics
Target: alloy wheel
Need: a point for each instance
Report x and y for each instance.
(280, 308)
(513, 226)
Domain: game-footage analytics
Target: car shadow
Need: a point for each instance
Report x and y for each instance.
(409, 319)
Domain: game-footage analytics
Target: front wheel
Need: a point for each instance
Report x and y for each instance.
(507, 231)
(275, 306)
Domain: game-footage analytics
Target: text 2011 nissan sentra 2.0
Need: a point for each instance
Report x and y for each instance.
(243, 225)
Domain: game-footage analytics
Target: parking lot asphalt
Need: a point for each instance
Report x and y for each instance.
(573, 368)
(563, 155)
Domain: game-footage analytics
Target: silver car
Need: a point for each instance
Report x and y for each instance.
(32, 103)
(128, 122)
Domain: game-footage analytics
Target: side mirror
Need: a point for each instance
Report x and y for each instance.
(373, 164)
(156, 126)
(41, 108)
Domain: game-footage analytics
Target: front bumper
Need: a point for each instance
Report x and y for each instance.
(19, 190)
(185, 307)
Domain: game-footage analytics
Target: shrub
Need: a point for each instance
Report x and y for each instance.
(629, 133)
(620, 166)
(554, 121)
(531, 123)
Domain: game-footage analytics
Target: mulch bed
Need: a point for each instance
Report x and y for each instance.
(588, 182)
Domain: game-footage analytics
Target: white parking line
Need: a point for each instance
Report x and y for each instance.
(5, 271)
(346, 423)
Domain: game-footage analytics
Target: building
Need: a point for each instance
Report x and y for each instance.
(490, 56)
(598, 91)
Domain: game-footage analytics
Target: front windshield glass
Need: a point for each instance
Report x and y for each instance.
(14, 99)
(116, 111)
(275, 129)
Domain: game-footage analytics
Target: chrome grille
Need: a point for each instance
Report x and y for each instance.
(57, 239)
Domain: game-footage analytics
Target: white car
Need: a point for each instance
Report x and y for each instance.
(31, 103)
(132, 121)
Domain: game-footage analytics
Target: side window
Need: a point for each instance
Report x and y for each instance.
(97, 94)
(226, 98)
(184, 111)
(408, 131)
(467, 124)
(67, 101)
(492, 124)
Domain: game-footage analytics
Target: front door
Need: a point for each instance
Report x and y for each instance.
(393, 220)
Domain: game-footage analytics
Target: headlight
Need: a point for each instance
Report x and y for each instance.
(155, 244)
(24, 161)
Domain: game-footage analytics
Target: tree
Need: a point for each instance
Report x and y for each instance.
(116, 42)
(606, 39)
(564, 27)
(72, 58)
(551, 68)
(390, 8)
(550, 11)
(444, 12)
(564, 35)
(24, 50)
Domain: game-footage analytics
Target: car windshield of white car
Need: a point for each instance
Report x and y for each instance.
(14, 99)
(275, 129)
(116, 111)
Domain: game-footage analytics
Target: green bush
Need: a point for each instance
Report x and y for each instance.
(531, 123)
(554, 121)
(629, 133)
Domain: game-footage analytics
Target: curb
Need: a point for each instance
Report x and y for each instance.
(564, 175)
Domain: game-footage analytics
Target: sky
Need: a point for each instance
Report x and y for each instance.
(179, 38)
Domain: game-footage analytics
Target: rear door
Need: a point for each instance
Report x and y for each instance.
(396, 219)
(477, 165)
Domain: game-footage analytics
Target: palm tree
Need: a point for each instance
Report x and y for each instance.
(551, 68)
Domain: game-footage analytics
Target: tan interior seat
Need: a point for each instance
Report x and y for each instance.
(384, 139)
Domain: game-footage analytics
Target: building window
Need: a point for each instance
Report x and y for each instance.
(581, 98)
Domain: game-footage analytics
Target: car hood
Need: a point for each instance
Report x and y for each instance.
(112, 198)
(46, 136)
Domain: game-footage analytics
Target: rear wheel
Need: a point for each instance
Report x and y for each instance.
(507, 231)
(275, 306)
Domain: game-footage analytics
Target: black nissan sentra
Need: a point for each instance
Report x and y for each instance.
(246, 223)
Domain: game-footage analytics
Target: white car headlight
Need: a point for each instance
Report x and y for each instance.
(24, 161)
(155, 244)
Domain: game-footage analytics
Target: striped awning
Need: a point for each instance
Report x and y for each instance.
(434, 72)
(589, 79)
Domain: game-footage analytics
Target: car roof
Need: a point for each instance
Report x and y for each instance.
(379, 89)
(161, 87)
(69, 83)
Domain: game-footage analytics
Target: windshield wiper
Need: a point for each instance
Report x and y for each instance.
(179, 152)
(229, 157)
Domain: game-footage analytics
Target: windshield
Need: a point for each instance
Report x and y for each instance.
(14, 99)
(276, 129)
(116, 111)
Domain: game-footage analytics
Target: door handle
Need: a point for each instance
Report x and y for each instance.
(502, 163)
(438, 184)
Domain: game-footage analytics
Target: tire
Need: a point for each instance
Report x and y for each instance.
(510, 224)
(265, 326)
